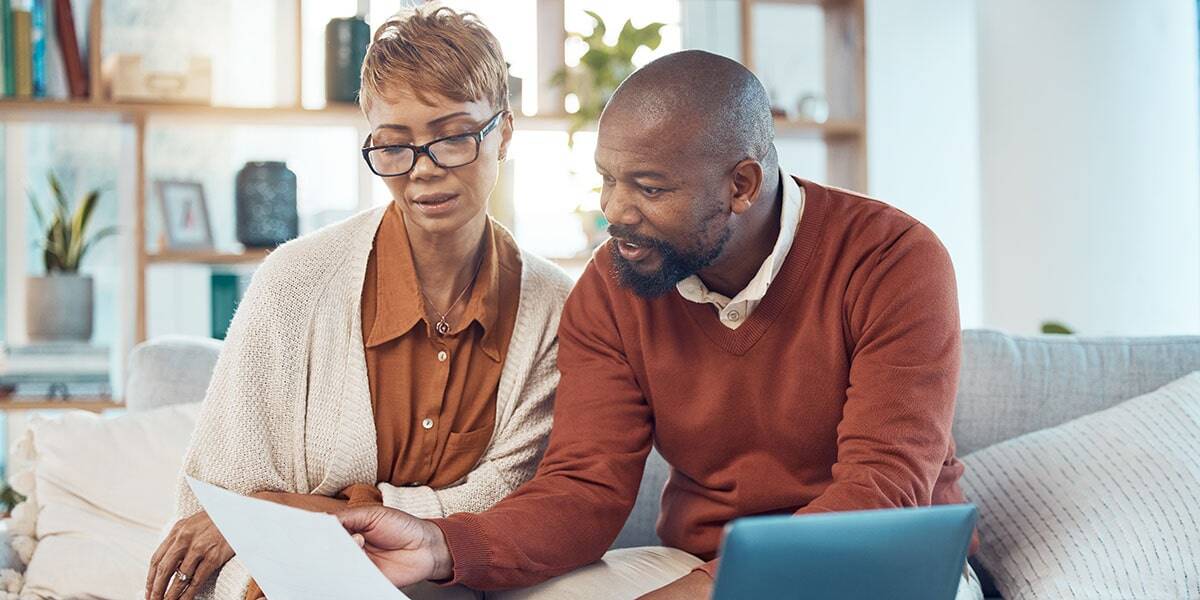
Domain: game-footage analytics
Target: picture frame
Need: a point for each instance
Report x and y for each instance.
(184, 211)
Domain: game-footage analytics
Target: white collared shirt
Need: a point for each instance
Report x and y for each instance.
(734, 311)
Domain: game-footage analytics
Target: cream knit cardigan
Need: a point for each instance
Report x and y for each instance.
(289, 408)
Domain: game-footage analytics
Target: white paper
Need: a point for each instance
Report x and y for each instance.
(293, 554)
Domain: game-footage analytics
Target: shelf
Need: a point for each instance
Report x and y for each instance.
(821, 3)
(784, 126)
(337, 114)
(93, 404)
(206, 257)
(80, 110)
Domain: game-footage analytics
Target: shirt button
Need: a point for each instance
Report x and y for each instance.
(442, 356)
(427, 423)
(734, 315)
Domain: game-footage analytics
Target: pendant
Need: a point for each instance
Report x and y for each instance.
(442, 327)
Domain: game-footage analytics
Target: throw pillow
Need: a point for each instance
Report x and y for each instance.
(1099, 507)
(100, 493)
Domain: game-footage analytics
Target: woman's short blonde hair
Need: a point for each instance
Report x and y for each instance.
(435, 50)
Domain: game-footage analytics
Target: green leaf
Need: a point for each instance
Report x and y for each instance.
(56, 245)
(598, 28)
(56, 189)
(37, 211)
(596, 60)
(1055, 328)
(79, 223)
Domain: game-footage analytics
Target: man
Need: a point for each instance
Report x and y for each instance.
(787, 347)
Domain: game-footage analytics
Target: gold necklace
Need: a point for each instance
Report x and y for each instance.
(443, 325)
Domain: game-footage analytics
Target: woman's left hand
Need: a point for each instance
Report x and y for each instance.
(191, 553)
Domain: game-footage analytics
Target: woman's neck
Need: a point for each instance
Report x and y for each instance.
(445, 263)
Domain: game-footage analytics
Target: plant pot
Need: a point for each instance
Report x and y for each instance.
(59, 308)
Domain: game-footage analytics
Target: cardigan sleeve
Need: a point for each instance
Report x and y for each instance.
(243, 439)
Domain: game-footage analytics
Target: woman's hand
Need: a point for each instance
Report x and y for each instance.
(192, 552)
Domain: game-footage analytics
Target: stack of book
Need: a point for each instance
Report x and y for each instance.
(39, 50)
(55, 369)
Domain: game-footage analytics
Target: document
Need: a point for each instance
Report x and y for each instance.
(293, 554)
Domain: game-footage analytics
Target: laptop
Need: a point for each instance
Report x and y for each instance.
(899, 554)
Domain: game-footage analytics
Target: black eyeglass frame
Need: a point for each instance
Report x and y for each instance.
(417, 151)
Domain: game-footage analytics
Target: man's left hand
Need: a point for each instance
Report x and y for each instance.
(696, 585)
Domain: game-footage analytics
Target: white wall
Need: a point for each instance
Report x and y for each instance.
(923, 127)
(1088, 147)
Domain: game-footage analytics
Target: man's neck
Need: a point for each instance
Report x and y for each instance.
(754, 235)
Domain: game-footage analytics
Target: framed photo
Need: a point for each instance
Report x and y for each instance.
(184, 215)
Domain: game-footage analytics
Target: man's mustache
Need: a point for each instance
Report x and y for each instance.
(628, 235)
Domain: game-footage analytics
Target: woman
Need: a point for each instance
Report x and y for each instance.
(405, 356)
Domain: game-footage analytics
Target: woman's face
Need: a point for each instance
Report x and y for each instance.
(439, 200)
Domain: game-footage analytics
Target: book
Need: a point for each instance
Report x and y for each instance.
(22, 52)
(37, 47)
(227, 291)
(10, 75)
(76, 358)
(68, 42)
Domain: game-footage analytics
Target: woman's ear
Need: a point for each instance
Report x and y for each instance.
(506, 133)
(747, 181)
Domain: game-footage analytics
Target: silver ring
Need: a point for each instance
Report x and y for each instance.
(182, 577)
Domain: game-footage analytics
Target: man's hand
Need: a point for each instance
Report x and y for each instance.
(192, 552)
(406, 549)
(696, 585)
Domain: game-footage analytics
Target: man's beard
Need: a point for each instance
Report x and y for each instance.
(676, 266)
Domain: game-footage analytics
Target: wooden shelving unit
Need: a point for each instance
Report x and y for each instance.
(207, 258)
(98, 404)
(845, 132)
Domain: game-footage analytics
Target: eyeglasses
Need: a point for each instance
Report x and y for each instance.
(449, 152)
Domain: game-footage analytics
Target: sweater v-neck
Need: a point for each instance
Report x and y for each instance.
(783, 288)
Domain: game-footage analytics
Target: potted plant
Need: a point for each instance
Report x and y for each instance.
(602, 68)
(59, 303)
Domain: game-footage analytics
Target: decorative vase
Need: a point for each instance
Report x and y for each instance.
(346, 43)
(266, 204)
(59, 308)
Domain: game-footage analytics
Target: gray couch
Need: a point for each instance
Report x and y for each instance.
(1008, 386)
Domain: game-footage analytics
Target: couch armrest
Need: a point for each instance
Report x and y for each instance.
(170, 370)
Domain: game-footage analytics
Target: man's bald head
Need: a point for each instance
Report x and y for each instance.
(704, 103)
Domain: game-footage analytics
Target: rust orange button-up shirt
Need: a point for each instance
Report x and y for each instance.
(434, 397)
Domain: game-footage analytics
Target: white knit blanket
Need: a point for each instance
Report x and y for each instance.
(289, 407)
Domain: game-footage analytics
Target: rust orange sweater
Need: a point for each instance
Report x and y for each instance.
(836, 394)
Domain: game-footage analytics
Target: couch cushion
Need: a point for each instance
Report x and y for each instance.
(100, 493)
(1013, 385)
(1099, 507)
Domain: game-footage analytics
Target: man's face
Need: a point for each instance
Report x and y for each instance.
(668, 209)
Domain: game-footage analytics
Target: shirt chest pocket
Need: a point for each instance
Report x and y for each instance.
(463, 451)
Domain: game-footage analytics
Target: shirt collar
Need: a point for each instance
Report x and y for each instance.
(693, 288)
(399, 303)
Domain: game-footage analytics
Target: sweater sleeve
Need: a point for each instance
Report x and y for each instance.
(251, 405)
(894, 436)
(510, 460)
(571, 511)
